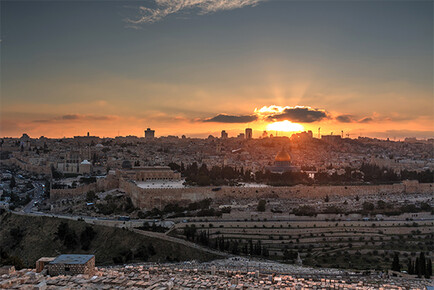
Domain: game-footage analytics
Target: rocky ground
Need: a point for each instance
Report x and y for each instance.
(237, 273)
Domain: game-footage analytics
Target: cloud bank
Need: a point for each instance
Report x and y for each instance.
(78, 117)
(222, 118)
(163, 8)
(299, 114)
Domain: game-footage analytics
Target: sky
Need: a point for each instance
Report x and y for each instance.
(196, 67)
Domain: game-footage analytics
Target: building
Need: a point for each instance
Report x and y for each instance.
(249, 133)
(7, 270)
(72, 265)
(42, 263)
(302, 136)
(282, 163)
(241, 136)
(149, 134)
(147, 173)
(224, 135)
(87, 140)
(85, 167)
(331, 138)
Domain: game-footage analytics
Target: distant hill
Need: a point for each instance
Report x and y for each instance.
(23, 240)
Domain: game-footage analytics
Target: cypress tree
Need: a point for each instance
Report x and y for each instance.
(422, 263)
(410, 267)
(395, 265)
(417, 267)
(428, 270)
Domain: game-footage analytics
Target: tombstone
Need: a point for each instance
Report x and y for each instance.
(299, 261)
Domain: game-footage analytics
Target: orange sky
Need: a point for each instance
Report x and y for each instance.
(109, 68)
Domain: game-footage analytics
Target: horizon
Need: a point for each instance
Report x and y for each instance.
(257, 135)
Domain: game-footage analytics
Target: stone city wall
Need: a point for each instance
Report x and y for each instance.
(149, 198)
(101, 184)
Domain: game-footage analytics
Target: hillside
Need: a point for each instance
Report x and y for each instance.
(25, 239)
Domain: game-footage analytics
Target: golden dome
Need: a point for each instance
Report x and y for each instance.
(283, 156)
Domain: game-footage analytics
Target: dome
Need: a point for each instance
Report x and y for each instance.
(283, 156)
(85, 162)
(126, 165)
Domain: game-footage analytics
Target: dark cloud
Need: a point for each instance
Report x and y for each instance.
(300, 114)
(366, 120)
(76, 117)
(70, 117)
(222, 118)
(345, 118)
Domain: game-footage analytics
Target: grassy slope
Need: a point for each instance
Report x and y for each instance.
(39, 240)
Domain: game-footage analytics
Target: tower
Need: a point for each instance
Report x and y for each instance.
(149, 134)
(249, 133)
(224, 135)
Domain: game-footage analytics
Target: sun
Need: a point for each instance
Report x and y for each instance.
(285, 126)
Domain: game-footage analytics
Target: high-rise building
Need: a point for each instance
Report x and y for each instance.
(249, 133)
(149, 134)
(224, 135)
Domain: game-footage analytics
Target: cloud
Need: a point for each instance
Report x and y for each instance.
(366, 120)
(77, 117)
(70, 117)
(163, 8)
(345, 119)
(299, 114)
(222, 118)
(351, 119)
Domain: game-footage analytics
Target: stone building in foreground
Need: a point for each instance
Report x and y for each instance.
(72, 265)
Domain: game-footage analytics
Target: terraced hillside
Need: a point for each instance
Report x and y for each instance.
(357, 244)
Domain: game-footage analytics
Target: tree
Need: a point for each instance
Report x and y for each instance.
(71, 240)
(417, 267)
(13, 182)
(261, 206)
(395, 264)
(428, 270)
(86, 237)
(410, 268)
(151, 250)
(367, 206)
(422, 263)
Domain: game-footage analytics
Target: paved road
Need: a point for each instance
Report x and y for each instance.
(38, 196)
(180, 241)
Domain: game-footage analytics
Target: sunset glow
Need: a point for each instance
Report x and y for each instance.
(285, 126)
(195, 68)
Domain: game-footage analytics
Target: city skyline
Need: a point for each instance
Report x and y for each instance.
(195, 68)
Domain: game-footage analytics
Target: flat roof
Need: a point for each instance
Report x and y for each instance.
(72, 259)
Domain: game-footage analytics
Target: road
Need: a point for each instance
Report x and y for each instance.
(38, 196)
